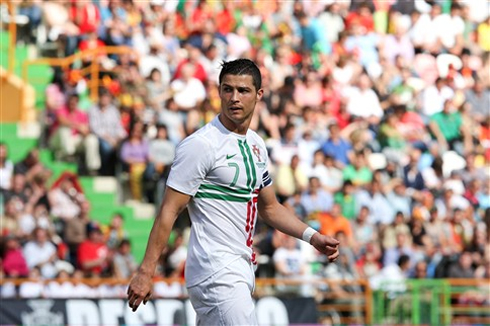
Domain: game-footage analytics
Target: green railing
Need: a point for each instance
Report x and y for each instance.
(432, 302)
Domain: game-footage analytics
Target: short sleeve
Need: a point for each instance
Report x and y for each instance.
(266, 179)
(194, 158)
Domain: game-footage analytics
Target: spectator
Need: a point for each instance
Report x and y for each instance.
(345, 197)
(332, 21)
(40, 253)
(289, 264)
(390, 232)
(434, 98)
(402, 248)
(374, 198)
(398, 197)
(105, 123)
(363, 101)
(161, 154)
(61, 288)
(74, 231)
(283, 151)
(34, 286)
(308, 92)
(6, 168)
(398, 43)
(9, 220)
(156, 90)
(448, 129)
(39, 217)
(13, 261)
(363, 231)
(333, 222)
(463, 267)
(290, 179)
(71, 135)
(412, 177)
(188, 91)
(315, 199)
(66, 196)
(337, 147)
(358, 172)
(134, 157)
(392, 277)
(478, 97)
(93, 254)
(177, 256)
(124, 263)
(115, 232)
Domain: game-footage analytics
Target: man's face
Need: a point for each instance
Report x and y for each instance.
(73, 103)
(238, 97)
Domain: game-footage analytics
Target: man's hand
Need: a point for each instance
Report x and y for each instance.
(139, 290)
(326, 245)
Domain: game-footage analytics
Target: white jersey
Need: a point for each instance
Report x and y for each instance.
(223, 172)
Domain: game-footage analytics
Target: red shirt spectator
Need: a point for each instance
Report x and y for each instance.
(85, 15)
(199, 71)
(93, 253)
(225, 20)
(362, 16)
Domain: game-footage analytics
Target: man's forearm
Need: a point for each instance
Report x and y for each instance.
(157, 241)
(282, 219)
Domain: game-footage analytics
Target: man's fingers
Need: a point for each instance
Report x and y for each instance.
(147, 298)
(334, 256)
(136, 303)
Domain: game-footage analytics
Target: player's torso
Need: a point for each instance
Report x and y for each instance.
(237, 173)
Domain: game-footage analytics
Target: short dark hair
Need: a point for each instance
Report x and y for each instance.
(241, 67)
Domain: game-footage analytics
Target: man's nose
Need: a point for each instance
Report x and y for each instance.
(234, 96)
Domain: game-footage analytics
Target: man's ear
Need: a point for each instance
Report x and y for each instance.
(260, 93)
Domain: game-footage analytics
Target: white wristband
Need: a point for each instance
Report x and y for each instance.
(308, 234)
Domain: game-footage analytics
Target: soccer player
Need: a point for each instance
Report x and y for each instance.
(220, 173)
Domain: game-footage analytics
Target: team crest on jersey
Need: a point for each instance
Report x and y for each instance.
(256, 151)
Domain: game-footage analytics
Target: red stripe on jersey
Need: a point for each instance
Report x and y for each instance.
(249, 208)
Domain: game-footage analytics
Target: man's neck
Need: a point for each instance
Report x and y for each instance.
(240, 129)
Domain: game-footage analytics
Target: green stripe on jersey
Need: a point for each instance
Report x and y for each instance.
(201, 194)
(226, 190)
(254, 173)
(245, 161)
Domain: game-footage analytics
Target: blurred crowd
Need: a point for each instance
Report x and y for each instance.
(375, 114)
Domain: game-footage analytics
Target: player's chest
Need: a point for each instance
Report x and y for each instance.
(239, 164)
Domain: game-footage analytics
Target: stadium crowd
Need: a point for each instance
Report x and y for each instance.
(375, 114)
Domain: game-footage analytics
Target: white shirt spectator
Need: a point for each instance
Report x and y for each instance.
(63, 205)
(82, 290)
(163, 290)
(363, 103)
(380, 208)
(6, 173)
(188, 94)
(433, 99)
(7, 290)
(31, 289)
(36, 253)
(150, 62)
(55, 289)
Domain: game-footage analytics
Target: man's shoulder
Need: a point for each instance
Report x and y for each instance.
(202, 138)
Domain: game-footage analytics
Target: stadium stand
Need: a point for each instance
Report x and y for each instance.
(375, 115)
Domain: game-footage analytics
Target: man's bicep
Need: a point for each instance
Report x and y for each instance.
(266, 201)
(173, 202)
